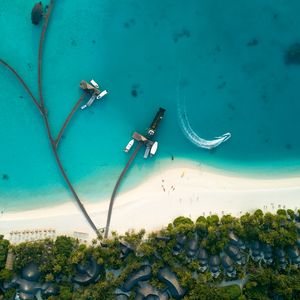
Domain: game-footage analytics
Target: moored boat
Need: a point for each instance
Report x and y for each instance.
(102, 94)
(94, 83)
(129, 145)
(146, 154)
(90, 102)
(153, 149)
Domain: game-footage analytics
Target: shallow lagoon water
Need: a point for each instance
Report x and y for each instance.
(225, 58)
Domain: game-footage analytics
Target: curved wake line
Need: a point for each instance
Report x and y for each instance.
(192, 136)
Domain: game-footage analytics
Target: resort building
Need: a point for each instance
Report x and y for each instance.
(30, 235)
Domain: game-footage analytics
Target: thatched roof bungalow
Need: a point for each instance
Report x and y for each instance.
(172, 282)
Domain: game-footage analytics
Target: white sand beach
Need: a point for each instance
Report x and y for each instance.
(179, 190)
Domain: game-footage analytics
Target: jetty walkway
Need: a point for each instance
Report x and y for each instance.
(114, 193)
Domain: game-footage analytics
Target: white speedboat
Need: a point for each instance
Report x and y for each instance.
(129, 145)
(102, 94)
(153, 149)
(94, 83)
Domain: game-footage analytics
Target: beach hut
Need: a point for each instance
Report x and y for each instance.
(172, 282)
(147, 291)
(31, 272)
(27, 285)
(234, 253)
(141, 274)
(294, 256)
(50, 290)
(236, 241)
(88, 272)
(25, 295)
(267, 254)
(280, 258)
(180, 241)
(214, 265)
(192, 247)
(203, 259)
(126, 249)
(255, 251)
(228, 266)
(28, 293)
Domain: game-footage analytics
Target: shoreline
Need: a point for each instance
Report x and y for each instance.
(181, 189)
(60, 198)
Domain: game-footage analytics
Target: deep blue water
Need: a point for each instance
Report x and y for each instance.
(226, 58)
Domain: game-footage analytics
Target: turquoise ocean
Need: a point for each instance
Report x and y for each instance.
(220, 61)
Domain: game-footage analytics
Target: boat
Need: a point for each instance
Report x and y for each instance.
(146, 154)
(153, 149)
(129, 145)
(83, 106)
(102, 94)
(158, 117)
(92, 99)
(90, 102)
(94, 83)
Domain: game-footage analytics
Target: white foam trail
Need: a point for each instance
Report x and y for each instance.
(193, 136)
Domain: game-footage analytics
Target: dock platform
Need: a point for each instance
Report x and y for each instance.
(138, 137)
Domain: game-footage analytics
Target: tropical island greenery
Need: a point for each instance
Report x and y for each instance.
(255, 256)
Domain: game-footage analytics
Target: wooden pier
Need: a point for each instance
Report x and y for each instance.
(138, 137)
(158, 117)
(88, 87)
(142, 140)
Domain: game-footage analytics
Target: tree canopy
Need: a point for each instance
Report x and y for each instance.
(172, 247)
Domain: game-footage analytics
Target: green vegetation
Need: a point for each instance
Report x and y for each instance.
(170, 247)
(4, 244)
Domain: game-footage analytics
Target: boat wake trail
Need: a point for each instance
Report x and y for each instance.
(192, 136)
